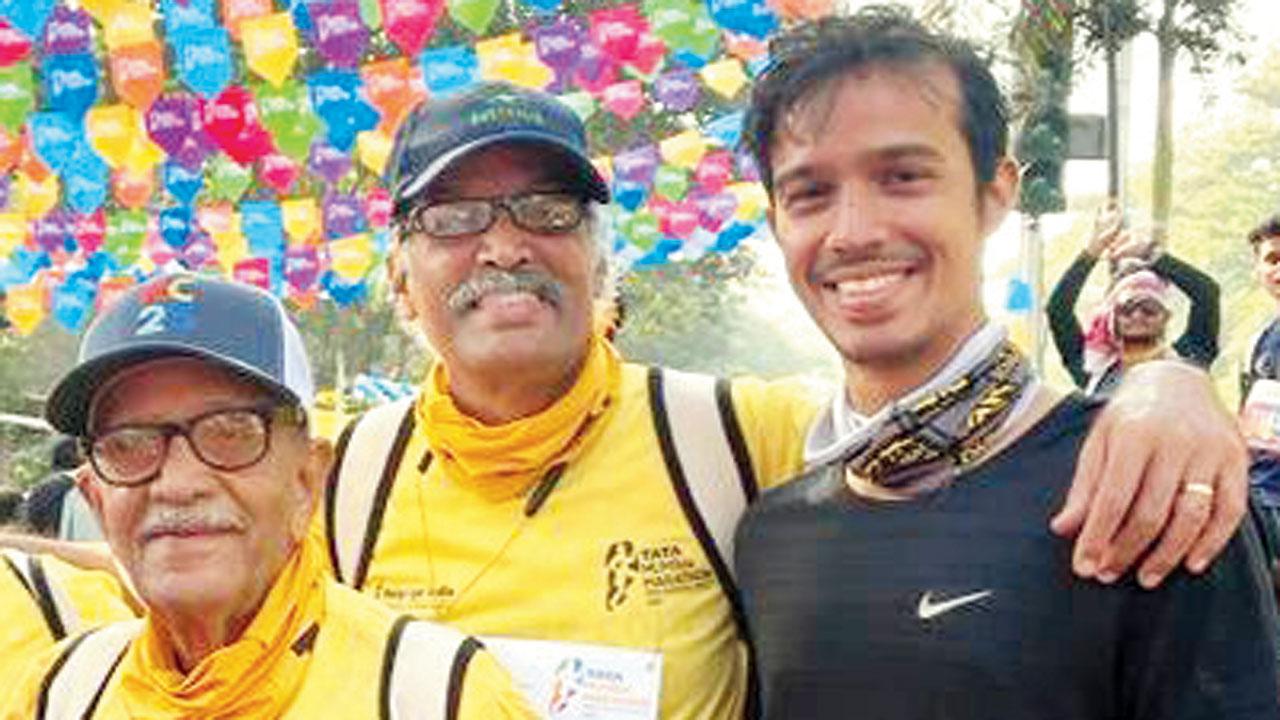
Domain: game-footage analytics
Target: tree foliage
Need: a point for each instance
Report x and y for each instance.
(1228, 180)
(698, 315)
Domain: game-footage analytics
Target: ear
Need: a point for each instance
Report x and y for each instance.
(310, 484)
(999, 195)
(92, 489)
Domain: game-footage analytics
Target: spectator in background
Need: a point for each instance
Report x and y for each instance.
(45, 500)
(1129, 327)
(10, 506)
(1260, 411)
(56, 507)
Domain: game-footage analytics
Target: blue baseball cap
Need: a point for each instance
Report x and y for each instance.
(238, 327)
(439, 132)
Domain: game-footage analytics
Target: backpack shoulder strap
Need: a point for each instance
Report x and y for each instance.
(59, 612)
(423, 671)
(75, 684)
(706, 456)
(357, 492)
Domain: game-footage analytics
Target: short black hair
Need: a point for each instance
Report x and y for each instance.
(810, 53)
(1266, 229)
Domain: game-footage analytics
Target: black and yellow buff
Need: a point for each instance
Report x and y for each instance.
(310, 638)
(30, 623)
(935, 438)
(607, 556)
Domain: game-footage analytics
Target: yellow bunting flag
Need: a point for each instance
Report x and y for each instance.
(301, 220)
(25, 307)
(726, 77)
(102, 10)
(374, 147)
(232, 246)
(13, 232)
(129, 23)
(351, 257)
(752, 200)
(143, 155)
(270, 46)
(112, 131)
(519, 65)
(36, 197)
(683, 150)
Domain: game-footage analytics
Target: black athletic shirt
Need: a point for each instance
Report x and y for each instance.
(961, 605)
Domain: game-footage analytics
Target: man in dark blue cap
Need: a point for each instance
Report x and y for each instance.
(190, 401)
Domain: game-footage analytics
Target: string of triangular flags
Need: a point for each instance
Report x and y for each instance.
(248, 137)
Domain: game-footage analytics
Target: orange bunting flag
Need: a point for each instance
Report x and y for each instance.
(137, 73)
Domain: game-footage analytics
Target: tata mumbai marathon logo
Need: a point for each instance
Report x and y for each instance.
(582, 689)
(653, 571)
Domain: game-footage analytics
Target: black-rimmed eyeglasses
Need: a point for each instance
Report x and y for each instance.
(228, 439)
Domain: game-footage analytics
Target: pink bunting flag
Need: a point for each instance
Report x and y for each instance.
(14, 46)
(253, 271)
(624, 99)
(410, 23)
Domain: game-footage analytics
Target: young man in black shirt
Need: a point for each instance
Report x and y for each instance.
(908, 574)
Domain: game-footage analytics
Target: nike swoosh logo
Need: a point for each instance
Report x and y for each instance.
(928, 609)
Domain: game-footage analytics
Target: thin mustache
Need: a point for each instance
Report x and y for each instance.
(867, 256)
(468, 294)
(186, 521)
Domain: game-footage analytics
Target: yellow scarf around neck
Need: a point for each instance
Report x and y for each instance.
(255, 678)
(501, 461)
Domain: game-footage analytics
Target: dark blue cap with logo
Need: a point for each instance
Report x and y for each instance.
(440, 131)
(238, 327)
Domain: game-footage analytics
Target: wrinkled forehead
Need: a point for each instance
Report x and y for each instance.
(934, 83)
(149, 385)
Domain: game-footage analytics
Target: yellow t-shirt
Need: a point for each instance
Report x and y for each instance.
(343, 680)
(608, 559)
(92, 597)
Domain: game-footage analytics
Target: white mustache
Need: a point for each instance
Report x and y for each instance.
(189, 521)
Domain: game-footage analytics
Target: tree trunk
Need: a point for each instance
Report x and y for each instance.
(1162, 169)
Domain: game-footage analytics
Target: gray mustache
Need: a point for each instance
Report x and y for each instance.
(467, 295)
(178, 520)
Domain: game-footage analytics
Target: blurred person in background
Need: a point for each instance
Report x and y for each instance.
(1129, 327)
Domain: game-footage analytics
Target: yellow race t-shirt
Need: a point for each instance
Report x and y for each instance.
(609, 558)
(36, 612)
(344, 679)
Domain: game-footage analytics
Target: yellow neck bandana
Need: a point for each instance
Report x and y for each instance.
(502, 461)
(255, 678)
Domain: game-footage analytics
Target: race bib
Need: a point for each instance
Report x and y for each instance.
(1260, 418)
(573, 681)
